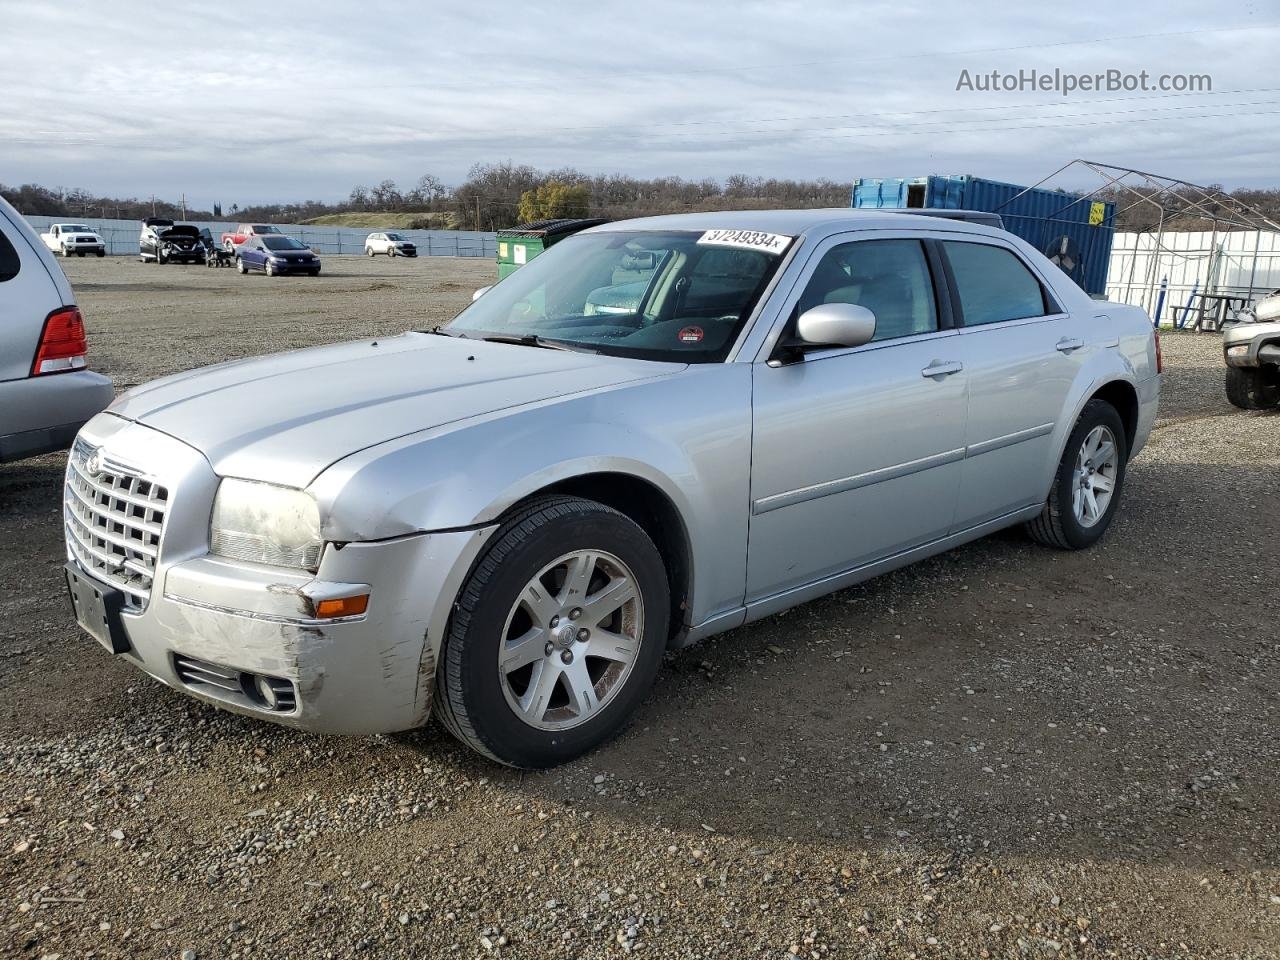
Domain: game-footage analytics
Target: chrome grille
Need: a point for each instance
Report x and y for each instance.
(113, 516)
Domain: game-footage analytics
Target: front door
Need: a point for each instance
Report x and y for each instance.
(856, 452)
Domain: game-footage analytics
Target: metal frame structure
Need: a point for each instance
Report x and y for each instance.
(1175, 200)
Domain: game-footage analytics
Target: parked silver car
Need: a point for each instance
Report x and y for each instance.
(46, 390)
(513, 517)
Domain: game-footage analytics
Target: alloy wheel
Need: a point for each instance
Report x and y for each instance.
(1094, 478)
(570, 640)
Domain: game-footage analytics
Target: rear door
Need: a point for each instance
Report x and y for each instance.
(856, 452)
(1021, 353)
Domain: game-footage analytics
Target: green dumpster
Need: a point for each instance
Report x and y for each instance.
(518, 245)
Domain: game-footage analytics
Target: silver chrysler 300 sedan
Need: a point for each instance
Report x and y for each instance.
(657, 430)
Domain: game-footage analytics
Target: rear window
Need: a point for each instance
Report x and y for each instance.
(993, 284)
(10, 264)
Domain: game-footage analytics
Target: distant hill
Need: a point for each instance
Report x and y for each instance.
(386, 221)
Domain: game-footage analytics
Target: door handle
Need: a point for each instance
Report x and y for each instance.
(942, 368)
(1067, 344)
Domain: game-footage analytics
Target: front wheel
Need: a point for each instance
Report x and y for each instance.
(269, 269)
(1253, 388)
(556, 637)
(102, 253)
(1086, 488)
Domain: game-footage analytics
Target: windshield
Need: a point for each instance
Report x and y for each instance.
(264, 228)
(678, 295)
(394, 236)
(76, 228)
(283, 243)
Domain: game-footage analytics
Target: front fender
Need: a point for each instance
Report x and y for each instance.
(688, 435)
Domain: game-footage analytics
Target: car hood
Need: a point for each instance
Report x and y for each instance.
(285, 418)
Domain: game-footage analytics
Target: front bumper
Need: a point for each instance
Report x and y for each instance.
(406, 251)
(1260, 343)
(367, 674)
(288, 268)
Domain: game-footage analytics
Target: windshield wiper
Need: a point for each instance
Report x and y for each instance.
(533, 340)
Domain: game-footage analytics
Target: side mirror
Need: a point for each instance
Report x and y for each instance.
(480, 293)
(836, 325)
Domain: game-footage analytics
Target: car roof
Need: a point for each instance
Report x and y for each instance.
(796, 222)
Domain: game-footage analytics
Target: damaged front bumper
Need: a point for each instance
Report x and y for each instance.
(246, 638)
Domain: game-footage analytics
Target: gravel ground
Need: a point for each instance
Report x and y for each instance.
(1001, 752)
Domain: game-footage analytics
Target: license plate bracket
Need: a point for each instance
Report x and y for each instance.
(97, 609)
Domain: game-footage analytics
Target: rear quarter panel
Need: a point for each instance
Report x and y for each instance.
(1121, 348)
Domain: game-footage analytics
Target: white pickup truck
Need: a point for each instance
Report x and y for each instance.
(73, 238)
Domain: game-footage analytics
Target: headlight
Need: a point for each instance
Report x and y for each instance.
(263, 523)
(1239, 350)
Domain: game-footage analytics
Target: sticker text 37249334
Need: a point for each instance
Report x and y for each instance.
(746, 239)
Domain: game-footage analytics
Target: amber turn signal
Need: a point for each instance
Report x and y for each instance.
(342, 607)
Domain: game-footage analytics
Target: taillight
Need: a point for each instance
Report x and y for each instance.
(62, 344)
(1159, 355)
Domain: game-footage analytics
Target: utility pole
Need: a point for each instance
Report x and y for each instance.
(153, 204)
(184, 206)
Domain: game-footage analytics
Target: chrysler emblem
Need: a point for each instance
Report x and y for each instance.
(94, 463)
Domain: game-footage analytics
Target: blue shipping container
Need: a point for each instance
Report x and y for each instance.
(1074, 231)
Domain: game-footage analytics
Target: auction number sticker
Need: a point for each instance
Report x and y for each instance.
(690, 335)
(746, 239)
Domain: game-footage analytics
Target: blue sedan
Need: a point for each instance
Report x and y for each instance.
(274, 255)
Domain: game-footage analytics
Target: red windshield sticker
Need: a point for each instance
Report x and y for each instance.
(690, 335)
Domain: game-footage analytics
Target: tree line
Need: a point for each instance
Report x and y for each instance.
(499, 195)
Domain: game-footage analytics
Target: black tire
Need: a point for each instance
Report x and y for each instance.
(1057, 525)
(314, 273)
(102, 253)
(79, 253)
(1253, 388)
(469, 698)
(369, 251)
(160, 257)
(240, 267)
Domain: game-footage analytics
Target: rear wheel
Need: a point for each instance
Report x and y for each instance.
(1253, 388)
(1086, 488)
(557, 635)
(368, 251)
(240, 266)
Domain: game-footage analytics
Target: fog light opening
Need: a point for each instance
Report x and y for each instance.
(266, 693)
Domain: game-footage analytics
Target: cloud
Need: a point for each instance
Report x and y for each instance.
(121, 98)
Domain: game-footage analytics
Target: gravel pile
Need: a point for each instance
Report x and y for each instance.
(1001, 752)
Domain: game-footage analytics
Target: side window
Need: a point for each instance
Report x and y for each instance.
(889, 277)
(993, 284)
(10, 264)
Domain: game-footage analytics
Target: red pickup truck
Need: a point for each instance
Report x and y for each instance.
(243, 232)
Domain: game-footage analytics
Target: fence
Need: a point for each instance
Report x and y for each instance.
(121, 237)
(1241, 262)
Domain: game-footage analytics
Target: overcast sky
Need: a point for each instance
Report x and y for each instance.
(270, 101)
